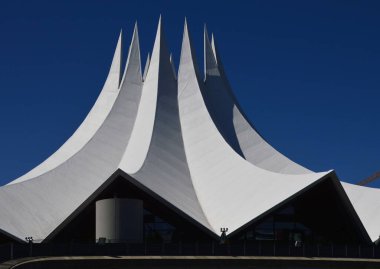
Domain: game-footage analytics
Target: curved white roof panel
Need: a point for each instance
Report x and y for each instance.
(36, 207)
(217, 171)
(366, 202)
(156, 158)
(183, 139)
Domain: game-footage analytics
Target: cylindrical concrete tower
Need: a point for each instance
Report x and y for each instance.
(119, 220)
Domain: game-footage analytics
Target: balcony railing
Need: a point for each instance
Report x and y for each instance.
(262, 248)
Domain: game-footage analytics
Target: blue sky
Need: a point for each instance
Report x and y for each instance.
(307, 73)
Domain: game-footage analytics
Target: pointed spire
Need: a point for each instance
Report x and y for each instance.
(132, 70)
(147, 63)
(213, 46)
(115, 69)
(187, 54)
(157, 42)
(160, 54)
(217, 58)
(172, 64)
(210, 64)
(135, 31)
(159, 26)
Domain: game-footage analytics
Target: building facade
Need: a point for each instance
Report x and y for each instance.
(170, 157)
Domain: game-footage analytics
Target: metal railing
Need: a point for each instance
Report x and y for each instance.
(261, 248)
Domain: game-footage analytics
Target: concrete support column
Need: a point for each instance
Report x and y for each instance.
(119, 220)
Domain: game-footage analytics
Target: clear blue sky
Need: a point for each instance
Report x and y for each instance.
(307, 73)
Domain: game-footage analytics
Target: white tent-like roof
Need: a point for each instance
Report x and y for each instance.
(183, 138)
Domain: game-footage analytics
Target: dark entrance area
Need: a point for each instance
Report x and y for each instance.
(319, 215)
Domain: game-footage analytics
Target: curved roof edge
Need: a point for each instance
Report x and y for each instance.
(90, 124)
(231, 121)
